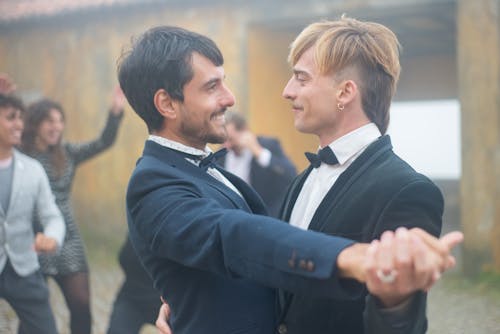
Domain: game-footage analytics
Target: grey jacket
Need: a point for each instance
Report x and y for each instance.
(30, 195)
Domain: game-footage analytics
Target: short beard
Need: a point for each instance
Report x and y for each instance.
(213, 139)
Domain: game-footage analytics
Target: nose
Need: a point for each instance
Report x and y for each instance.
(228, 98)
(19, 123)
(288, 92)
(59, 125)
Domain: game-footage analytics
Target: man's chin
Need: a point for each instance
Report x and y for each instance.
(217, 139)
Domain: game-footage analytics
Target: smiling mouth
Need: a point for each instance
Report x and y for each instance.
(219, 116)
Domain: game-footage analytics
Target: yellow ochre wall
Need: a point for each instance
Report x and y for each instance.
(268, 72)
(73, 60)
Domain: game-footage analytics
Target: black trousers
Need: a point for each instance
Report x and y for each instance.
(29, 297)
(134, 307)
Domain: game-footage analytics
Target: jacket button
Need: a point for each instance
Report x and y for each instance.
(291, 261)
(282, 329)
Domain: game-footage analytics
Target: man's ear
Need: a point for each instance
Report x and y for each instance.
(165, 105)
(346, 92)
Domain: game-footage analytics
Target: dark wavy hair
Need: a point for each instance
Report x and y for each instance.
(8, 100)
(161, 58)
(36, 113)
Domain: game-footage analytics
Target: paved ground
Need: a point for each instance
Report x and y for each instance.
(462, 310)
(451, 309)
(104, 284)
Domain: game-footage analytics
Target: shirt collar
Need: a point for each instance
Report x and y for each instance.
(6, 163)
(179, 147)
(354, 142)
(245, 154)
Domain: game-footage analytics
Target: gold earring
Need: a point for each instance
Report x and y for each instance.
(340, 107)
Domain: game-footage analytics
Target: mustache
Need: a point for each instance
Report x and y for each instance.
(218, 112)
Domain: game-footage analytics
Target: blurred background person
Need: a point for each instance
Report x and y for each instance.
(43, 140)
(258, 160)
(137, 302)
(24, 194)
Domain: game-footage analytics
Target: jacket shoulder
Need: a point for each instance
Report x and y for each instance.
(28, 162)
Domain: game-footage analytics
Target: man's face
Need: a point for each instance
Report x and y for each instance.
(206, 98)
(313, 97)
(11, 127)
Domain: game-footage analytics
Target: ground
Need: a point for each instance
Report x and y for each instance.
(455, 306)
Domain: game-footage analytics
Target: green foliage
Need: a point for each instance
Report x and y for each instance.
(486, 283)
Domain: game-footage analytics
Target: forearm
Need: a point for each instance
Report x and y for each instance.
(238, 244)
(49, 214)
(110, 131)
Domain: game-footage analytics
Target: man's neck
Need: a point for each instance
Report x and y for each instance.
(327, 138)
(6, 152)
(178, 146)
(179, 139)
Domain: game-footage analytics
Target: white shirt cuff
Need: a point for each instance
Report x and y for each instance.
(264, 159)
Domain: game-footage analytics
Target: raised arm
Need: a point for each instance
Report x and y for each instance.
(84, 151)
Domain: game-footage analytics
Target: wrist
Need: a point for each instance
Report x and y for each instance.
(350, 262)
(393, 301)
(256, 151)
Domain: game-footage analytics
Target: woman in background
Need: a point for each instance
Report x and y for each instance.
(43, 140)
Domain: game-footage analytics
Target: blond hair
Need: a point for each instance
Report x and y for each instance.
(370, 48)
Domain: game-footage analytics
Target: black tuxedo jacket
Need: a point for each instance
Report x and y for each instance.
(378, 192)
(211, 253)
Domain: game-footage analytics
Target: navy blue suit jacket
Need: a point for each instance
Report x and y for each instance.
(271, 182)
(377, 192)
(213, 254)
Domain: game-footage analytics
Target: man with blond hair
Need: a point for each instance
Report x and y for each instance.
(344, 77)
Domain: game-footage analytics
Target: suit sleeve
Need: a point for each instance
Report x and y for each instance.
(181, 224)
(419, 204)
(48, 213)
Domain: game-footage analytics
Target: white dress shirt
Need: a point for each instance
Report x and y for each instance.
(194, 151)
(240, 164)
(347, 148)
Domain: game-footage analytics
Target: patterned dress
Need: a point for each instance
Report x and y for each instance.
(71, 258)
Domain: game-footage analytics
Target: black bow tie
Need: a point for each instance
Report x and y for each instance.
(325, 155)
(211, 159)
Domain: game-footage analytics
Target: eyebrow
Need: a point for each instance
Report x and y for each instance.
(297, 72)
(211, 81)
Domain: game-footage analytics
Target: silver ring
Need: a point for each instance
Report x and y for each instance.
(386, 278)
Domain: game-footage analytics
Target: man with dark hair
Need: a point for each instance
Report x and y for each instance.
(258, 160)
(24, 194)
(201, 232)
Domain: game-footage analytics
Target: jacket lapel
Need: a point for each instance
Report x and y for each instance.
(250, 198)
(293, 194)
(346, 179)
(16, 181)
(177, 160)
